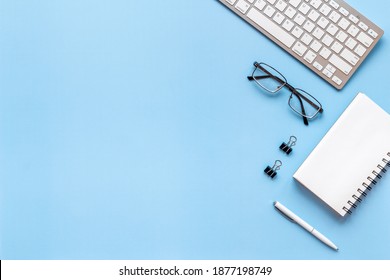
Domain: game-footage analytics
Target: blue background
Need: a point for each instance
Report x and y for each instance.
(128, 130)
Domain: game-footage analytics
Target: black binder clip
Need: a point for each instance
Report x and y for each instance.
(271, 171)
(287, 148)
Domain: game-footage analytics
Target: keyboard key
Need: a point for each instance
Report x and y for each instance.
(349, 57)
(281, 5)
(325, 9)
(313, 15)
(343, 23)
(360, 50)
(269, 11)
(341, 36)
(278, 18)
(288, 25)
(344, 11)
(337, 80)
(272, 28)
(325, 52)
(310, 56)
(332, 29)
(242, 6)
(330, 68)
(316, 46)
(297, 32)
(340, 64)
(351, 43)
(309, 26)
(299, 48)
(290, 12)
(304, 8)
(337, 47)
(327, 73)
(317, 65)
(323, 22)
(363, 26)
(271, 1)
(306, 39)
(364, 39)
(327, 40)
(260, 4)
(334, 4)
(354, 19)
(316, 3)
(334, 16)
(299, 19)
(295, 3)
(318, 33)
(353, 30)
(373, 33)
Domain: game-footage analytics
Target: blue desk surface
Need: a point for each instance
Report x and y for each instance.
(129, 131)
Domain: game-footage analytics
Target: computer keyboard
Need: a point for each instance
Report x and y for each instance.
(328, 36)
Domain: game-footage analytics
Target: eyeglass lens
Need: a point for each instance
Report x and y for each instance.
(268, 78)
(301, 99)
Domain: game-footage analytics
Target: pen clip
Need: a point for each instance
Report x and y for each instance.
(284, 215)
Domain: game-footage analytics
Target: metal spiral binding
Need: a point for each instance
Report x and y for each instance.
(373, 179)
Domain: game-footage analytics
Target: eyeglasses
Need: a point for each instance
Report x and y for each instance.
(273, 81)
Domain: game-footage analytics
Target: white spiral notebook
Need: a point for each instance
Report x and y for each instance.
(351, 158)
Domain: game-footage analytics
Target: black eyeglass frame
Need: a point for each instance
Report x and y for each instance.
(293, 90)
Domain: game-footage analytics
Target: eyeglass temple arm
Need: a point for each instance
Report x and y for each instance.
(300, 96)
(305, 121)
(293, 90)
(252, 78)
(309, 101)
(258, 66)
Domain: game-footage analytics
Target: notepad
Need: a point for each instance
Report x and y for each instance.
(351, 158)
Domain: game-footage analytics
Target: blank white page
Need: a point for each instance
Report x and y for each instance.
(348, 154)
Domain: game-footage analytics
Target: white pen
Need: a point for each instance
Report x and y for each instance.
(295, 219)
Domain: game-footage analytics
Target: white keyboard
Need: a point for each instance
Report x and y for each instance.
(328, 36)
